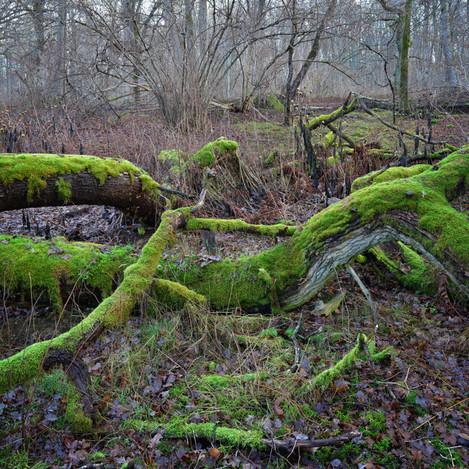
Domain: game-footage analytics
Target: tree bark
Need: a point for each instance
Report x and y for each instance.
(54, 180)
(120, 192)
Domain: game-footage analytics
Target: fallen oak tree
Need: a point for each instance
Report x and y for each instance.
(414, 210)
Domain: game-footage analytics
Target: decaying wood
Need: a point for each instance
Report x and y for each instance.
(291, 444)
(122, 192)
(290, 274)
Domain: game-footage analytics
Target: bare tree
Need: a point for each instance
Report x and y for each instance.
(293, 82)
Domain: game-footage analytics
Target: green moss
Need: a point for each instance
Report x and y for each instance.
(177, 429)
(328, 139)
(10, 458)
(74, 414)
(111, 312)
(391, 174)
(37, 168)
(376, 420)
(328, 118)
(274, 103)
(207, 155)
(218, 278)
(35, 186)
(278, 229)
(418, 275)
(361, 259)
(420, 194)
(349, 452)
(38, 266)
(53, 382)
(64, 190)
(270, 160)
(149, 185)
(175, 159)
(217, 381)
(270, 332)
(324, 378)
(422, 276)
(43, 166)
(446, 454)
(98, 455)
(176, 294)
(287, 262)
(135, 463)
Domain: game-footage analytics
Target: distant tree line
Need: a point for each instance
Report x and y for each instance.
(184, 56)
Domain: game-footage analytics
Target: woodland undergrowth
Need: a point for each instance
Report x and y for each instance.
(236, 371)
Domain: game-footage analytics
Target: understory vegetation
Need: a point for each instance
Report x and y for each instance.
(192, 387)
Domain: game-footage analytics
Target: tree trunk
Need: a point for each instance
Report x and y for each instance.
(293, 84)
(59, 73)
(55, 180)
(400, 204)
(404, 56)
(450, 73)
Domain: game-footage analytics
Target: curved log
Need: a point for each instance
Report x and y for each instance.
(414, 210)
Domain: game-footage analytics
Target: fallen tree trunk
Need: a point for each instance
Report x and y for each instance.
(54, 180)
(414, 210)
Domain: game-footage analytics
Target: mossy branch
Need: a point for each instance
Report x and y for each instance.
(326, 119)
(164, 288)
(358, 352)
(113, 311)
(209, 431)
(278, 229)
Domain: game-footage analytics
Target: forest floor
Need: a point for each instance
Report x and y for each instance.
(409, 411)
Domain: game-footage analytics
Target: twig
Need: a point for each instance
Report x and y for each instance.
(365, 292)
(289, 445)
(176, 192)
(341, 135)
(431, 418)
(397, 129)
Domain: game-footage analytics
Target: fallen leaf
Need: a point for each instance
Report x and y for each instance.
(215, 453)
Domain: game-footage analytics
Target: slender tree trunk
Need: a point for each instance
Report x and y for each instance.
(404, 56)
(38, 13)
(59, 73)
(293, 85)
(451, 81)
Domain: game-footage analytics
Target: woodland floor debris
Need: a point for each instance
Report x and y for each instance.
(410, 411)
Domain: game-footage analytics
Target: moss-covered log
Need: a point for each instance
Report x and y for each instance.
(113, 311)
(412, 207)
(414, 210)
(53, 180)
(51, 270)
